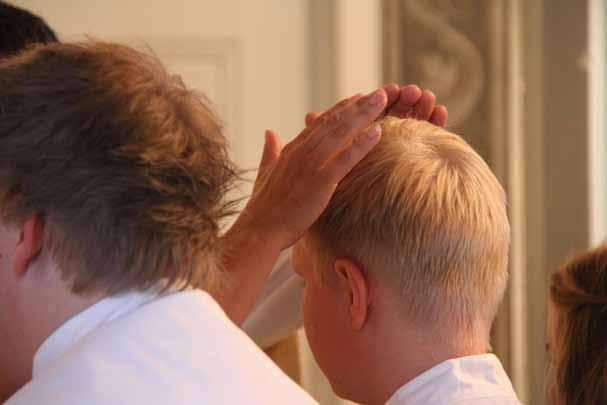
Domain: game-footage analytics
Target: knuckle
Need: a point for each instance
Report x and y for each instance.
(288, 149)
(357, 142)
(324, 119)
(341, 131)
(334, 119)
(330, 120)
(362, 102)
(343, 103)
(345, 157)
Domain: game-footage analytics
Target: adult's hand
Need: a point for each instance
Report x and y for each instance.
(408, 102)
(293, 187)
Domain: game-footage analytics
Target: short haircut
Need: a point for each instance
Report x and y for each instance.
(424, 213)
(128, 166)
(19, 29)
(578, 344)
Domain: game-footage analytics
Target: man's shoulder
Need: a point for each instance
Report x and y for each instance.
(180, 348)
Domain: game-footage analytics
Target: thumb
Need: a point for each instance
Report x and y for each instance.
(271, 150)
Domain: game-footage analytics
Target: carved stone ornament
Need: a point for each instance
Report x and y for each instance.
(442, 45)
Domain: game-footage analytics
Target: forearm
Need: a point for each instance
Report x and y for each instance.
(277, 312)
(249, 256)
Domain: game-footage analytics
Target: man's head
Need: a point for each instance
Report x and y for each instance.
(112, 177)
(415, 239)
(19, 29)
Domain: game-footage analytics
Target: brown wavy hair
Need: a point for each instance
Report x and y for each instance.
(578, 330)
(128, 167)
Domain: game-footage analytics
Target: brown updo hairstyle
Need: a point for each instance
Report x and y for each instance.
(578, 329)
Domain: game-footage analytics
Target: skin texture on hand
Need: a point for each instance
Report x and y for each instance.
(408, 102)
(295, 184)
(293, 187)
(306, 172)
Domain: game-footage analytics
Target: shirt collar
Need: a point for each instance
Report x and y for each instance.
(480, 376)
(77, 327)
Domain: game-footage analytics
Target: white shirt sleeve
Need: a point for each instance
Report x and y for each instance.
(155, 349)
(277, 312)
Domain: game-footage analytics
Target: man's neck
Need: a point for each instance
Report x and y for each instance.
(47, 303)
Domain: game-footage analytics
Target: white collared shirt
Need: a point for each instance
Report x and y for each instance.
(178, 348)
(472, 380)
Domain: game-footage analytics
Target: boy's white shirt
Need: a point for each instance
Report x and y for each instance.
(178, 348)
(471, 380)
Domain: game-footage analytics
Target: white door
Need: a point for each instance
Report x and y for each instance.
(246, 56)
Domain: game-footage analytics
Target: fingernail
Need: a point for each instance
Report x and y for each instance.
(375, 97)
(374, 132)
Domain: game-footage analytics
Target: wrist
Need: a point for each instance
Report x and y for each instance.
(249, 254)
(250, 234)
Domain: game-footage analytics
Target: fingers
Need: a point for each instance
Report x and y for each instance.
(410, 95)
(331, 111)
(311, 117)
(404, 107)
(425, 106)
(338, 167)
(439, 116)
(418, 104)
(271, 150)
(340, 127)
(393, 92)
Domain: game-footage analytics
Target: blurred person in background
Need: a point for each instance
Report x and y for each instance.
(19, 28)
(577, 330)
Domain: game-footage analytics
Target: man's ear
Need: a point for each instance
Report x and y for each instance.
(30, 244)
(351, 278)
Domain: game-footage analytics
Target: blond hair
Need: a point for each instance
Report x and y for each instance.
(424, 212)
(128, 167)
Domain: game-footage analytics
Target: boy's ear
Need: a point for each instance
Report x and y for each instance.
(354, 285)
(29, 245)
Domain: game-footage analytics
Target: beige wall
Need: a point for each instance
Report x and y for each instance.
(250, 57)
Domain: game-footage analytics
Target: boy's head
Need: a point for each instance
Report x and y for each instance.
(417, 236)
